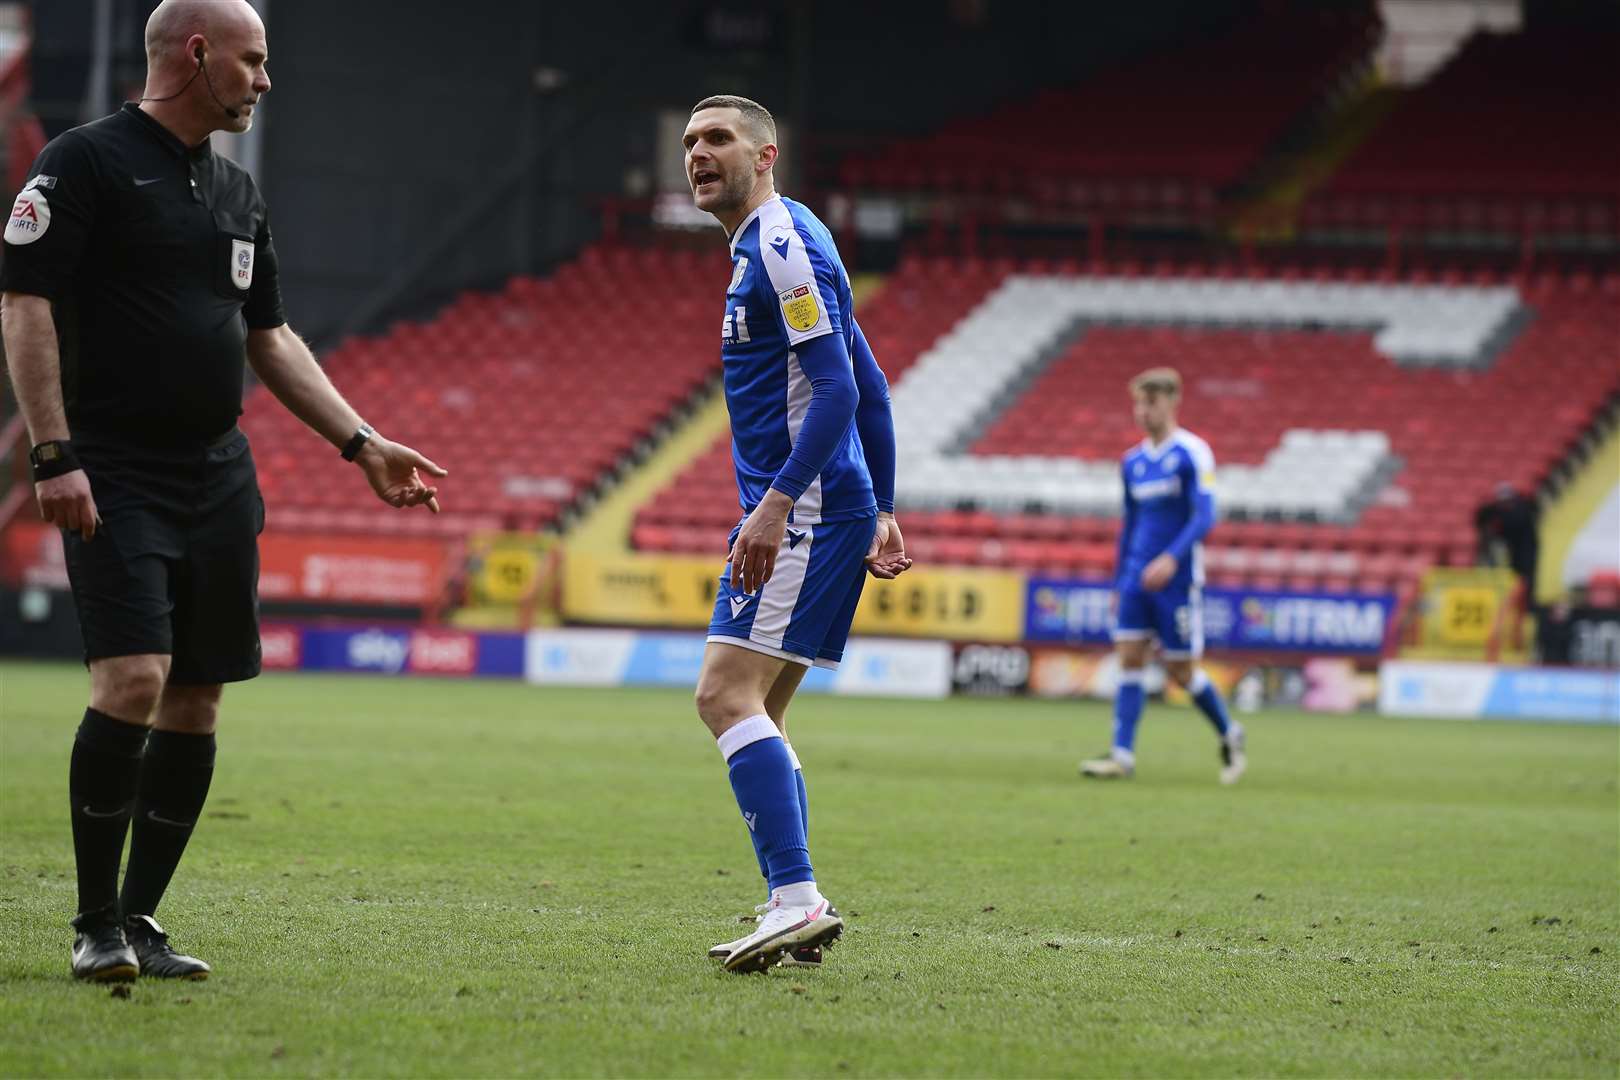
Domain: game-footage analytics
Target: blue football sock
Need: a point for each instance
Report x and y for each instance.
(804, 799)
(762, 778)
(804, 813)
(1127, 710)
(804, 804)
(1209, 701)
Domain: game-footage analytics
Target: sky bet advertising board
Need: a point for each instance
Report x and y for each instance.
(1078, 612)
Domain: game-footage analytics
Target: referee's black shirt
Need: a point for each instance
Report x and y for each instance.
(157, 261)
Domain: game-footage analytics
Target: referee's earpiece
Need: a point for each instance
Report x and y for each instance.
(230, 112)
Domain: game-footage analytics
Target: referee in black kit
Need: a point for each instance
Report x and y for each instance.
(139, 274)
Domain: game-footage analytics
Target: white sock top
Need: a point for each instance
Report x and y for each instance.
(747, 733)
(799, 894)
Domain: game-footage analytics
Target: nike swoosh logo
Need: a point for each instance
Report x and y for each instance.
(142, 183)
(152, 815)
(812, 916)
(87, 812)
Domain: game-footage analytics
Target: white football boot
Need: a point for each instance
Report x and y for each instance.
(807, 956)
(1107, 767)
(782, 930)
(1234, 756)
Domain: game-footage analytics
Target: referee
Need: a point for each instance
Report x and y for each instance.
(139, 273)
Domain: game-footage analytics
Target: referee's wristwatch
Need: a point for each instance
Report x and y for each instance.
(351, 449)
(53, 458)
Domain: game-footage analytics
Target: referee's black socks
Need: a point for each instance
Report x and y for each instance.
(174, 780)
(102, 782)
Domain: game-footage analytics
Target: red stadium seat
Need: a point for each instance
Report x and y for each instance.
(530, 369)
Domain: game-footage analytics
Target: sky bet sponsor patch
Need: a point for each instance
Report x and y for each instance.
(30, 217)
(799, 306)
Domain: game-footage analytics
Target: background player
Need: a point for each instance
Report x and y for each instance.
(1169, 507)
(813, 445)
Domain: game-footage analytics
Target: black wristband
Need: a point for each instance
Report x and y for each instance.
(351, 449)
(53, 458)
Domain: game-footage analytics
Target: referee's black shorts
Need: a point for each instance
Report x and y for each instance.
(174, 566)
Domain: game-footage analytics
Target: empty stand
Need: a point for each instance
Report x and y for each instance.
(1516, 131)
(1311, 399)
(531, 397)
(1156, 138)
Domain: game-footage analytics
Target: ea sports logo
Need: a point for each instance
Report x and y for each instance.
(30, 217)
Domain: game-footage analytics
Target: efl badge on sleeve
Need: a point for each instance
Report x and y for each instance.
(30, 217)
(799, 306)
(241, 263)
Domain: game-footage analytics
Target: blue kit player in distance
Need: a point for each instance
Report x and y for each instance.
(1169, 507)
(813, 445)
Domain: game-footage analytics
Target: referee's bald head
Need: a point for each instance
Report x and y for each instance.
(174, 23)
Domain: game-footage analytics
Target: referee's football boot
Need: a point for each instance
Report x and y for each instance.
(1107, 767)
(1234, 753)
(101, 953)
(784, 928)
(157, 956)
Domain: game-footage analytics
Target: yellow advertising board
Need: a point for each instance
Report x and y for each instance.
(1460, 607)
(507, 574)
(633, 589)
(959, 603)
(509, 580)
(636, 589)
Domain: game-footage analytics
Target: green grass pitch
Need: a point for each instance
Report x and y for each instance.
(483, 879)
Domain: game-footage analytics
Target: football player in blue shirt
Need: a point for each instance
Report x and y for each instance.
(813, 445)
(1169, 507)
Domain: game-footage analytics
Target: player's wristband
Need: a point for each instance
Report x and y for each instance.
(52, 459)
(351, 449)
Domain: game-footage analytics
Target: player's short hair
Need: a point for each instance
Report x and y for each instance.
(1158, 380)
(756, 118)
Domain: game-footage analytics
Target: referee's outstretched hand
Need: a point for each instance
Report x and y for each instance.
(395, 474)
(65, 501)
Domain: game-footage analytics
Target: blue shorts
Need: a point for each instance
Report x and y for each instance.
(803, 613)
(1174, 615)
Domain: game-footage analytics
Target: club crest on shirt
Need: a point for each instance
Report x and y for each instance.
(737, 273)
(799, 306)
(241, 263)
(30, 217)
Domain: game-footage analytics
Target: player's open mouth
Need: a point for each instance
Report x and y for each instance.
(703, 177)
